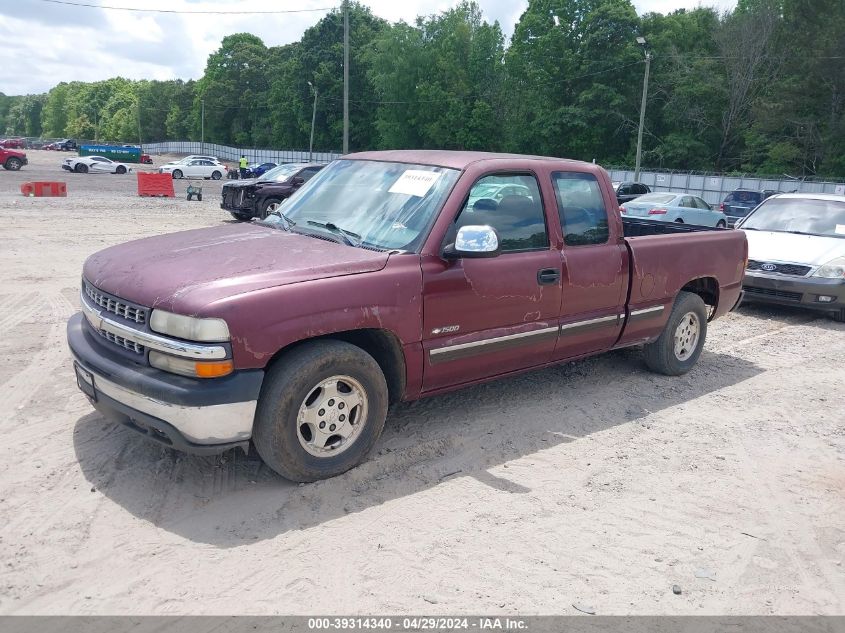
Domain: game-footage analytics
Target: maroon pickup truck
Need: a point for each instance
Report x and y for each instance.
(389, 276)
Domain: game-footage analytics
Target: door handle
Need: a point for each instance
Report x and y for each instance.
(548, 276)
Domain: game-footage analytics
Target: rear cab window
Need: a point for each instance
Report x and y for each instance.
(583, 216)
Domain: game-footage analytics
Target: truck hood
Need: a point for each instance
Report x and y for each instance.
(812, 250)
(184, 272)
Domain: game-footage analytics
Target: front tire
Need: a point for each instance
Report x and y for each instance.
(269, 206)
(120, 169)
(321, 410)
(240, 216)
(81, 168)
(839, 315)
(13, 164)
(678, 347)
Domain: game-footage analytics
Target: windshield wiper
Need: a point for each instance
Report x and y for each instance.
(349, 238)
(288, 223)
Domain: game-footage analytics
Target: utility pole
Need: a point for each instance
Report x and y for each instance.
(345, 76)
(641, 42)
(202, 126)
(313, 120)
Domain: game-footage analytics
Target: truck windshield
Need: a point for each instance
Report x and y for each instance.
(799, 215)
(385, 205)
(281, 173)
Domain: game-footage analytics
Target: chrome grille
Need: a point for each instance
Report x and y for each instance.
(115, 306)
(119, 340)
(795, 270)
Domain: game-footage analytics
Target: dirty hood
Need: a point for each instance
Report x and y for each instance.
(811, 250)
(186, 271)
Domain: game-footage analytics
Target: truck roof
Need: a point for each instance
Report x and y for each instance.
(453, 159)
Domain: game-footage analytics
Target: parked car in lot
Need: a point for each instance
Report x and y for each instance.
(627, 191)
(674, 207)
(13, 143)
(12, 160)
(379, 283)
(95, 164)
(246, 199)
(66, 145)
(259, 169)
(796, 251)
(193, 157)
(493, 193)
(199, 168)
(737, 204)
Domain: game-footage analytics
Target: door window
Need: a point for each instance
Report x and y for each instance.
(307, 174)
(701, 204)
(639, 189)
(517, 217)
(583, 215)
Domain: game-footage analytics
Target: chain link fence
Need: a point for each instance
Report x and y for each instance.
(225, 152)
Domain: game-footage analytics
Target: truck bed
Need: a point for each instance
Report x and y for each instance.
(640, 227)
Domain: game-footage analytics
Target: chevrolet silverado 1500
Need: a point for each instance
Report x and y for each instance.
(386, 278)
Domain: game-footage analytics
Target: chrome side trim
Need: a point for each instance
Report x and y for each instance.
(193, 351)
(214, 424)
(645, 311)
(463, 350)
(589, 322)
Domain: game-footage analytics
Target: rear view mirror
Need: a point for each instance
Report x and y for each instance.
(473, 241)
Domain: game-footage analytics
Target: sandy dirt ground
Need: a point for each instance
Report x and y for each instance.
(595, 484)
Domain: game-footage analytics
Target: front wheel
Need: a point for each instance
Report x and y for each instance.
(13, 164)
(120, 169)
(321, 410)
(241, 217)
(177, 174)
(269, 206)
(81, 168)
(678, 347)
(839, 315)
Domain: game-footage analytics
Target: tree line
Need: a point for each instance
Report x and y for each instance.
(757, 89)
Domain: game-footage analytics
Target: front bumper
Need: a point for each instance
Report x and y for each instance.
(194, 415)
(803, 292)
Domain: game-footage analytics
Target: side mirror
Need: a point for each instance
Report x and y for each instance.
(297, 180)
(473, 241)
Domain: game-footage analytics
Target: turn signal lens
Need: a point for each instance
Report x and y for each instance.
(192, 368)
(623, 210)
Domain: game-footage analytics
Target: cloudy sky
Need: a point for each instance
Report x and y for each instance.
(47, 43)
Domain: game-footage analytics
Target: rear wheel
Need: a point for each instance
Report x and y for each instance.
(81, 168)
(321, 410)
(120, 169)
(721, 224)
(177, 174)
(679, 221)
(13, 164)
(241, 216)
(678, 347)
(269, 206)
(216, 175)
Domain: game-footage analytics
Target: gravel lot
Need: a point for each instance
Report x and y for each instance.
(594, 483)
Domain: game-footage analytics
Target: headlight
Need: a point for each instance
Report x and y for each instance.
(192, 368)
(834, 269)
(189, 328)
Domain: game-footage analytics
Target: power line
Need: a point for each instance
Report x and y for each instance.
(98, 6)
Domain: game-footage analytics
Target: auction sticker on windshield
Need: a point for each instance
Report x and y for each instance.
(415, 182)
(840, 229)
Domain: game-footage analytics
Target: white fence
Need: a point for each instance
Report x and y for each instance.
(713, 189)
(225, 152)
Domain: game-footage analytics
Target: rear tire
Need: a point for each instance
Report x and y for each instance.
(296, 396)
(679, 221)
(216, 175)
(13, 164)
(177, 174)
(81, 168)
(678, 347)
(721, 224)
